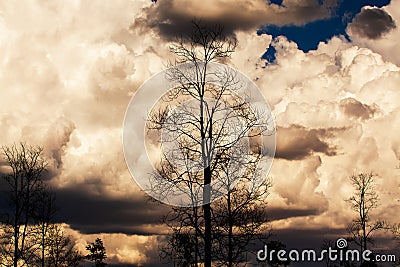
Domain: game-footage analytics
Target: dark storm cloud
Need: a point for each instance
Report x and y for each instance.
(297, 142)
(172, 18)
(372, 23)
(91, 213)
(95, 213)
(282, 213)
(354, 108)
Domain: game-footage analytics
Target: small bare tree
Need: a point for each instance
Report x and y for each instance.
(61, 250)
(240, 216)
(43, 218)
(363, 202)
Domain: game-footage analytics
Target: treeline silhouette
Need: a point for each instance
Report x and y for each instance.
(29, 235)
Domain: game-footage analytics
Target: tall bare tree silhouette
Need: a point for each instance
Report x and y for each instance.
(204, 140)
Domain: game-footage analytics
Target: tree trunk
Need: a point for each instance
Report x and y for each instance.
(363, 221)
(230, 232)
(206, 183)
(196, 236)
(16, 222)
(207, 218)
(43, 245)
(16, 238)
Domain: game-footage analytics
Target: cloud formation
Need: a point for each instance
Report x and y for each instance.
(372, 23)
(356, 109)
(387, 43)
(171, 18)
(67, 72)
(69, 69)
(95, 213)
(296, 142)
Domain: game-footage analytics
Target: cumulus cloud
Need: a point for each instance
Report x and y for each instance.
(348, 91)
(384, 29)
(172, 17)
(122, 249)
(338, 86)
(67, 73)
(356, 109)
(296, 142)
(372, 23)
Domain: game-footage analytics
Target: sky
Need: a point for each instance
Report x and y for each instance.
(330, 71)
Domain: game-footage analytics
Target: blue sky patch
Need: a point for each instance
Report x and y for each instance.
(311, 34)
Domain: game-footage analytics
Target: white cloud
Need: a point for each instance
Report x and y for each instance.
(120, 248)
(307, 89)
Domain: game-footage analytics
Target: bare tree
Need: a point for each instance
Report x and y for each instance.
(180, 248)
(363, 202)
(24, 180)
(239, 219)
(240, 216)
(61, 250)
(43, 217)
(201, 148)
(29, 236)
